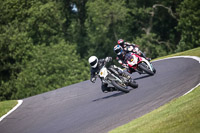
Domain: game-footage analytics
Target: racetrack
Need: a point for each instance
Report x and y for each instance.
(83, 108)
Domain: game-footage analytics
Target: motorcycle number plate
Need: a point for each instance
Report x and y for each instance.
(103, 72)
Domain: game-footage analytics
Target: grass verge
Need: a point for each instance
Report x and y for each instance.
(181, 115)
(6, 106)
(192, 52)
(178, 116)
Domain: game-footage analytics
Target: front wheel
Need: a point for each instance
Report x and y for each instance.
(145, 68)
(119, 86)
(154, 70)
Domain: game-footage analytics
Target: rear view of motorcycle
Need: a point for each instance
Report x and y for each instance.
(120, 82)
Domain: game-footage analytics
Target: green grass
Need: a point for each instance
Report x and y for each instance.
(6, 106)
(192, 52)
(181, 115)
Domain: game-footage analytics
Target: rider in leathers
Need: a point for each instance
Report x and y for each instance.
(121, 54)
(96, 66)
(128, 47)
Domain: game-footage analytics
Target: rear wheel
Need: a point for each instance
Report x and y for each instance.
(145, 68)
(120, 86)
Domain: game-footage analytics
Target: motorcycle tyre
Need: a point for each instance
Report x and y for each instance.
(118, 87)
(154, 70)
(145, 69)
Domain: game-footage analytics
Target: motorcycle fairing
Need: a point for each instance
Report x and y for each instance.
(103, 72)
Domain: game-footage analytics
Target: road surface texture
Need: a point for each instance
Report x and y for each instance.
(84, 108)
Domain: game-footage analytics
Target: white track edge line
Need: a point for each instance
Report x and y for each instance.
(13, 109)
(191, 89)
(192, 57)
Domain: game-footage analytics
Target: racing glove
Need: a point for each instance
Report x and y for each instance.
(125, 65)
(93, 79)
(107, 59)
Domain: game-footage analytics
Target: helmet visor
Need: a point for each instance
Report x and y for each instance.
(93, 63)
(118, 50)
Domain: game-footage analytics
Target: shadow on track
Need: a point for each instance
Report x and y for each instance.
(142, 77)
(110, 96)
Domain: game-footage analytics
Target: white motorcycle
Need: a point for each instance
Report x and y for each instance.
(121, 83)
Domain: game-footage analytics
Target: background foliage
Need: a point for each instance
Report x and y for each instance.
(45, 44)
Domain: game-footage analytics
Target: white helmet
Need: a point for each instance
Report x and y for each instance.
(93, 60)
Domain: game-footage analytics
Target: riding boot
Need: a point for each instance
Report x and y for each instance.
(106, 89)
(111, 89)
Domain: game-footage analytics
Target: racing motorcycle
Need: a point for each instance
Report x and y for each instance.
(112, 76)
(139, 64)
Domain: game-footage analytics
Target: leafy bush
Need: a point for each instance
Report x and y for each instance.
(52, 67)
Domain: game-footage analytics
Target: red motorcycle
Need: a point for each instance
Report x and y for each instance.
(139, 64)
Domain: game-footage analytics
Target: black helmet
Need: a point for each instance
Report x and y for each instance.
(121, 42)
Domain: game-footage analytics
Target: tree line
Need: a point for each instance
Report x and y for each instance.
(45, 44)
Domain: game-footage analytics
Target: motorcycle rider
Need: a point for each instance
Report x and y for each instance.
(121, 55)
(96, 65)
(128, 47)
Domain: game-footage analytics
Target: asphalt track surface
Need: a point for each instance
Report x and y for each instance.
(83, 108)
